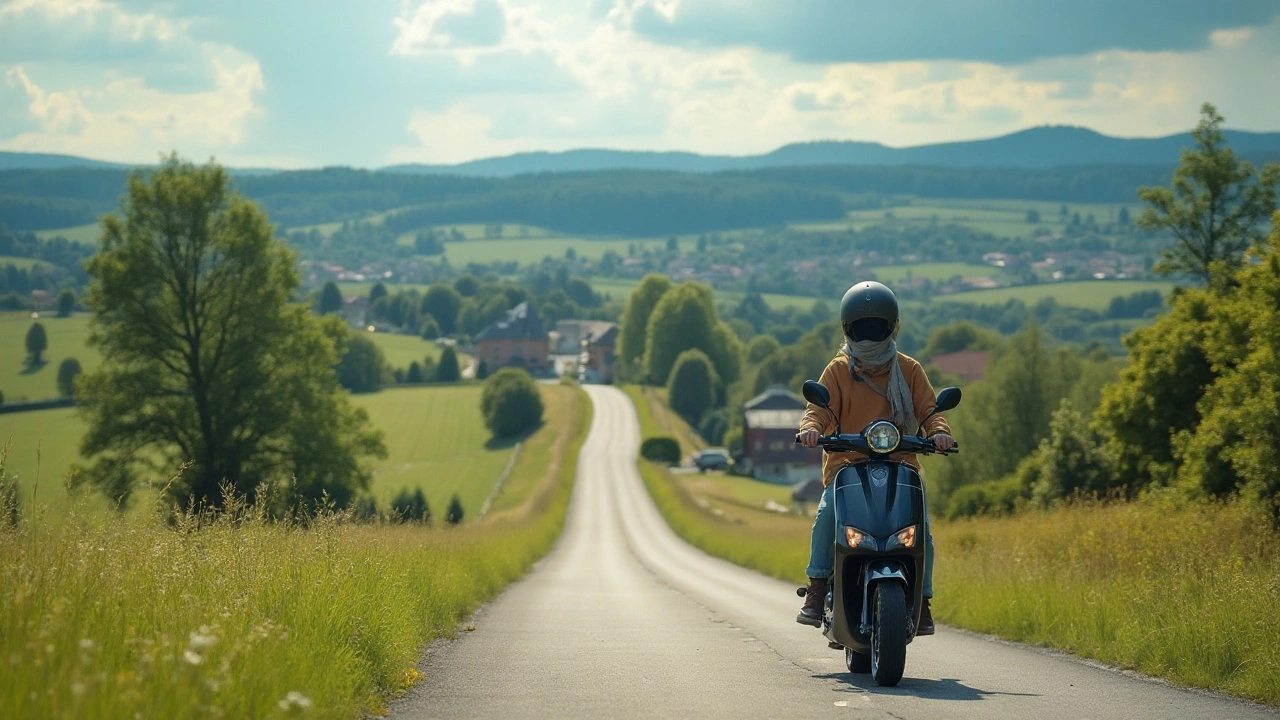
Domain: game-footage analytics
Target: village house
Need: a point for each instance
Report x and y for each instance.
(584, 348)
(518, 340)
(770, 421)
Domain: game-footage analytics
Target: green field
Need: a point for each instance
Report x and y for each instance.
(19, 262)
(1003, 218)
(400, 350)
(66, 339)
(81, 233)
(620, 289)
(937, 272)
(436, 440)
(1090, 294)
(533, 250)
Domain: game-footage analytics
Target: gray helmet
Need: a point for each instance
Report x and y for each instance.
(868, 311)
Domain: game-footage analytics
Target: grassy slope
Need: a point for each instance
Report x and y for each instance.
(1190, 594)
(66, 339)
(114, 618)
(436, 440)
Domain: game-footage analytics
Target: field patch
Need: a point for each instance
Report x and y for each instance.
(88, 234)
(1088, 294)
(936, 272)
(67, 339)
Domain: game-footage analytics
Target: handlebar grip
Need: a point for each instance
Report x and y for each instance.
(797, 438)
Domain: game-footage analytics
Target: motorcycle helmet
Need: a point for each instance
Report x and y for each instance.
(869, 311)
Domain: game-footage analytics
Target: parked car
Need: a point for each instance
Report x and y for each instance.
(711, 459)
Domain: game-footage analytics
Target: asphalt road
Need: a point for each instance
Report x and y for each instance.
(623, 619)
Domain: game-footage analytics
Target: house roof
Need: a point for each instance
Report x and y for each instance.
(568, 336)
(970, 365)
(521, 323)
(775, 397)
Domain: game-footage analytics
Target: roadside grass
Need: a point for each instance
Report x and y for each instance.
(436, 440)
(657, 418)
(1186, 592)
(67, 338)
(1089, 294)
(1189, 593)
(241, 617)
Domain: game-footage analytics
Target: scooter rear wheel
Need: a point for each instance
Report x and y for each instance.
(889, 634)
(857, 663)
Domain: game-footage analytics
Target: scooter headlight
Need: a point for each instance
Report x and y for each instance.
(906, 538)
(855, 537)
(882, 436)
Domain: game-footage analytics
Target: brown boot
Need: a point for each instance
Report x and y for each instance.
(815, 597)
(926, 626)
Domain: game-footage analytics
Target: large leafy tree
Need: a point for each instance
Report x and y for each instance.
(204, 360)
(1217, 208)
(633, 332)
(685, 318)
(691, 389)
(37, 342)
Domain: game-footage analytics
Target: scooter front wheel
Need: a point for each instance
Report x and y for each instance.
(889, 634)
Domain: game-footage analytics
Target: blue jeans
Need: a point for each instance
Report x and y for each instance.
(822, 553)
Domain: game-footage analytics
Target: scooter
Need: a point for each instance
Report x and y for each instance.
(876, 594)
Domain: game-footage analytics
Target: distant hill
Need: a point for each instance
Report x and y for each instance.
(1040, 147)
(42, 161)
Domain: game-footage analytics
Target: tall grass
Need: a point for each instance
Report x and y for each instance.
(1190, 593)
(1187, 592)
(240, 617)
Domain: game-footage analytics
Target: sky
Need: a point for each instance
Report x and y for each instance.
(368, 83)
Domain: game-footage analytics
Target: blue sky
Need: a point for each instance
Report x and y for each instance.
(372, 82)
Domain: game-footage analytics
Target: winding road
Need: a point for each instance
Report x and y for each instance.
(624, 619)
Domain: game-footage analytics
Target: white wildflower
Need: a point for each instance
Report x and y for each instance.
(86, 644)
(193, 657)
(294, 700)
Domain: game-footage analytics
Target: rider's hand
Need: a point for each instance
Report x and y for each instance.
(809, 438)
(944, 441)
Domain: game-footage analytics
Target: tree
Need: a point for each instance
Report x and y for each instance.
(428, 328)
(685, 319)
(448, 371)
(414, 375)
(330, 299)
(427, 243)
(482, 370)
(691, 389)
(37, 343)
(761, 347)
(1033, 216)
(1217, 208)
(66, 303)
(634, 329)
(467, 285)
(67, 373)
(1123, 218)
(442, 303)
(363, 367)
(411, 506)
(510, 403)
(1070, 459)
(204, 358)
(455, 513)
(959, 336)
(376, 293)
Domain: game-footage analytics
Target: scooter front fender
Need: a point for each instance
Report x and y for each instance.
(878, 571)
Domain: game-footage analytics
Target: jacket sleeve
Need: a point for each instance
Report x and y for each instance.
(817, 417)
(925, 400)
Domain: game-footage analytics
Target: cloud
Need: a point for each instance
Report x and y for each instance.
(998, 31)
(450, 24)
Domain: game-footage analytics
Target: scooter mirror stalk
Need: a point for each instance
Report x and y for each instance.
(816, 393)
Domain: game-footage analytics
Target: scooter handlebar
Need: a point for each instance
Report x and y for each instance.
(927, 444)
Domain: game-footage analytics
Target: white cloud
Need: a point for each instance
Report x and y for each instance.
(450, 24)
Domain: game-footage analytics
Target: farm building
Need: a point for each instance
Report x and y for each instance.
(585, 348)
(518, 340)
(770, 421)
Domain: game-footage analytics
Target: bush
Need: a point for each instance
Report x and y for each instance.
(661, 450)
(363, 367)
(714, 426)
(67, 373)
(365, 509)
(448, 370)
(428, 328)
(66, 303)
(414, 375)
(510, 403)
(455, 513)
(691, 389)
(482, 370)
(411, 506)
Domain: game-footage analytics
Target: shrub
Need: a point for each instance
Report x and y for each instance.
(448, 370)
(67, 372)
(661, 450)
(66, 303)
(365, 509)
(428, 328)
(455, 512)
(411, 506)
(714, 426)
(415, 373)
(691, 387)
(510, 403)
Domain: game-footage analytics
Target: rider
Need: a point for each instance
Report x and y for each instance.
(868, 380)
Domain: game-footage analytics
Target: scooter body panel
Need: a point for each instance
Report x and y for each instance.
(879, 497)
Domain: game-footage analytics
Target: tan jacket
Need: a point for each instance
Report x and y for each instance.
(857, 406)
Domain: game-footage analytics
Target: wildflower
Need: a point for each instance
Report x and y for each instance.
(193, 657)
(202, 639)
(295, 700)
(86, 644)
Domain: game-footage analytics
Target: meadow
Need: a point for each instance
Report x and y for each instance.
(1088, 294)
(1002, 218)
(1188, 592)
(88, 234)
(68, 337)
(237, 616)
